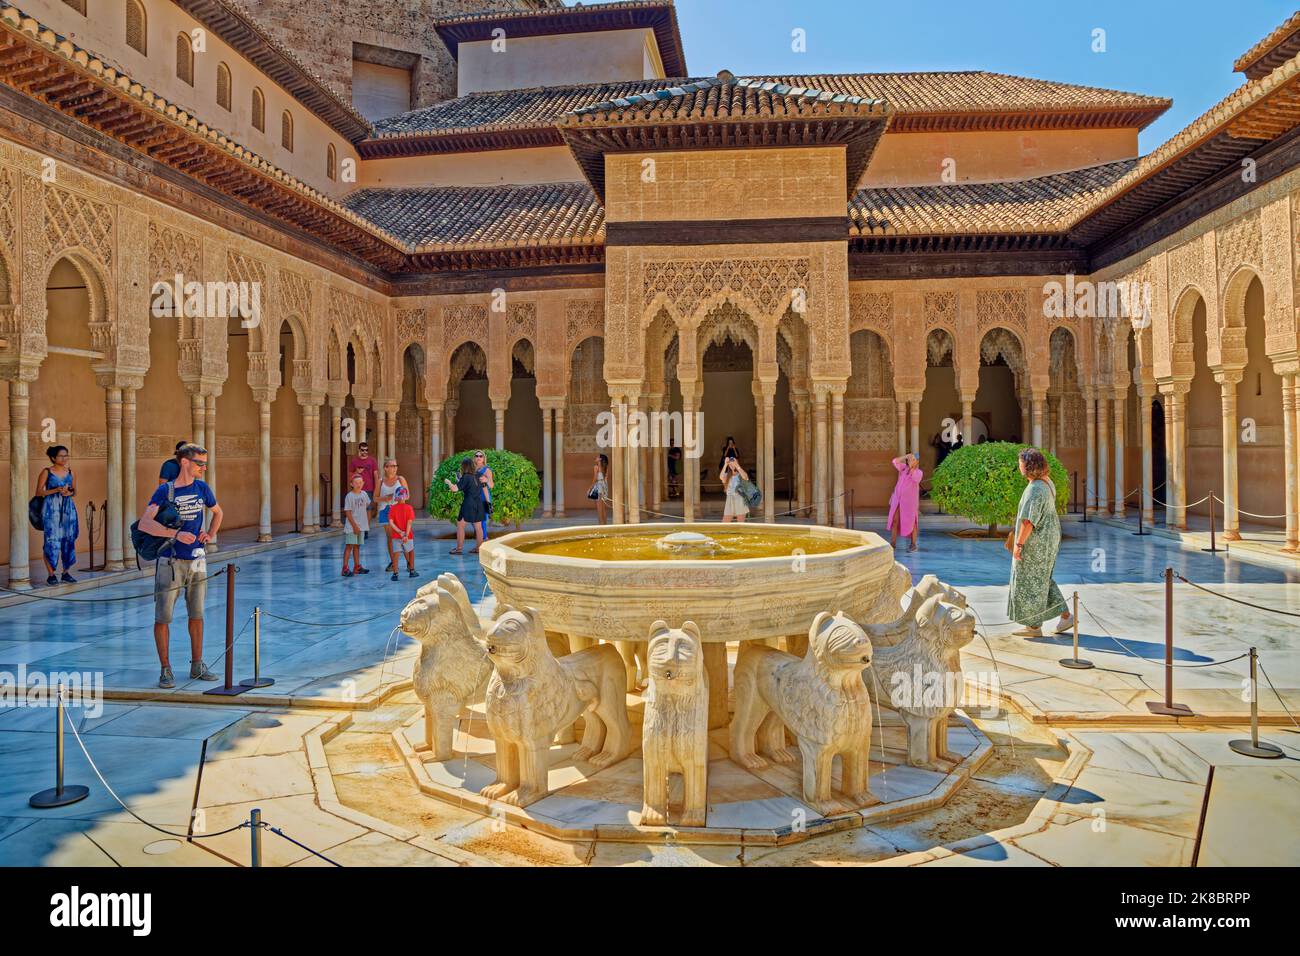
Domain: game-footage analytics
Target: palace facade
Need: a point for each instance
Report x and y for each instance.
(488, 228)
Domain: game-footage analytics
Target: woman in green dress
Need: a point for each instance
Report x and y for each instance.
(1034, 597)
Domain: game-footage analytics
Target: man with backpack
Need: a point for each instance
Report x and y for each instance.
(181, 562)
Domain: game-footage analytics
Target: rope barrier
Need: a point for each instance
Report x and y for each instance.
(1242, 511)
(128, 597)
(1275, 693)
(1258, 607)
(364, 620)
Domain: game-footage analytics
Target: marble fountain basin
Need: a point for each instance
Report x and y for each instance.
(739, 582)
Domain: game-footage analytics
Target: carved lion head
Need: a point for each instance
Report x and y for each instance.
(837, 642)
(516, 638)
(945, 626)
(676, 657)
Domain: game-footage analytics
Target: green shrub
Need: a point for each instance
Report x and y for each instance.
(983, 482)
(515, 493)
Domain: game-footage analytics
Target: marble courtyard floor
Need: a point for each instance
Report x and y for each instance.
(1075, 772)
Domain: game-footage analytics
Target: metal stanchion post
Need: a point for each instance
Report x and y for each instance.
(59, 796)
(255, 837)
(296, 529)
(1074, 663)
(230, 688)
(1212, 549)
(257, 680)
(1254, 747)
(1167, 707)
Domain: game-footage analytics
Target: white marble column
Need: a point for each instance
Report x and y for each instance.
(548, 465)
(210, 435)
(304, 497)
(1036, 420)
(820, 456)
(1119, 423)
(559, 461)
(760, 476)
(499, 410)
(915, 406)
(361, 429)
(381, 440)
(1168, 492)
(1103, 457)
(436, 447)
(1179, 403)
(113, 530)
(1228, 398)
(1290, 408)
(806, 456)
(615, 478)
(967, 422)
(902, 429)
(19, 486)
(449, 436)
(1148, 515)
(129, 503)
(631, 468)
(337, 491)
(1090, 481)
(840, 502)
(198, 418)
(768, 398)
(392, 433)
(690, 466)
(264, 470)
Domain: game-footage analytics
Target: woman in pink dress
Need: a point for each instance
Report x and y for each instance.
(905, 502)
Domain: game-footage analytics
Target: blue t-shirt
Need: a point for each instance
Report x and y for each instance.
(189, 501)
(171, 470)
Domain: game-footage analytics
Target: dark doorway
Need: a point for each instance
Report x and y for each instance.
(1158, 455)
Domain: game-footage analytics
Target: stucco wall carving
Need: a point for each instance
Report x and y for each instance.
(1001, 307)
(75, 220)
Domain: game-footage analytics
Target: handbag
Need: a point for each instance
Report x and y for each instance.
(36, 512)
(148, 546)
(594, 493)
(749, 492)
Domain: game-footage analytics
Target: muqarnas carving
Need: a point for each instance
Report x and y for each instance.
(675, 728)
(532, 694)
(820, 697)
(918, 673)
(453, 667)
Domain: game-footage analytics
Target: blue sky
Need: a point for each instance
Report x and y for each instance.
(1183, 50)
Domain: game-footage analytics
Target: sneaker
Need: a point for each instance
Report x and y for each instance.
(199, 671)
(166, 679)
(389, 569)
(394, 577)
(362, 571)
(67, 578)
(347, 573)
(52, 580)
(412, 573)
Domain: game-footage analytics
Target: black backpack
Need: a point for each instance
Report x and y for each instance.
(148, 546)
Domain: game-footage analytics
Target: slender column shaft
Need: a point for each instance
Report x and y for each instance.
(264, 470)
(967, 423)
(304, 496)
(559, 463)
(616, 479)
(902, 428)
(210, 434)
(837, 451)
(381, 440)
(805, 490)
(548, 480)
(129, 503)
(337, 491)
(1036, 417)
(1148, 506)
(113, 532)
(1120, 490)
(1168, 494)
(1103, 458)
(198, 415)
(1090, 425)
(19, 486)
(631, 467)
(690, 466)
(1180, 460)
(820, 458)
(916, 426)
(769, 457)
(1289, 412)
(1231, 518)
(392, 433)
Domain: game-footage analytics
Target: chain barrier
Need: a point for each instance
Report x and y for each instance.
(1269, 680)
(284, 836)
(127, 597)
(364, 620)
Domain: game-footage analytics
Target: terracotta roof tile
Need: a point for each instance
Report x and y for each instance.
(485, 217)
(1031, 205)
(1280, 45)
(920, 93)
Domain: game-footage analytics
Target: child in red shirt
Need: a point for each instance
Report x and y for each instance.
(401, 530)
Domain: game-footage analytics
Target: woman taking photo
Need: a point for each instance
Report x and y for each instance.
(385, 496)
(1035, 540)
(471, 506)
(57, 487)
(487, 481)
(905, 503)
(731, 476)
(600, 486)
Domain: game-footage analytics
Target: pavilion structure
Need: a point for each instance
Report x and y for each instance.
(834, 269)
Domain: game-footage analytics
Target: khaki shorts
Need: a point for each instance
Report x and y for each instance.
(171, 577)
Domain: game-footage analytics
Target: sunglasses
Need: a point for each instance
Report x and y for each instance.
(197, 463)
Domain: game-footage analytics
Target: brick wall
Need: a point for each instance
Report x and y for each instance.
(321, 34)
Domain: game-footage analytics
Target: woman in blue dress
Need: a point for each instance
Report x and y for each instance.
(57, 485)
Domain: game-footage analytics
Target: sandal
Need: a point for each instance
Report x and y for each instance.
(455, 551)
(472, 551)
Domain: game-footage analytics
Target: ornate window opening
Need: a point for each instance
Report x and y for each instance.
(184, 59)
(259, 111)
(286, 131)
(223, 86)
(137, 27)
(330, 161)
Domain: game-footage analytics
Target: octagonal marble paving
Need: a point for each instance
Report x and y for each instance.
(744, 806)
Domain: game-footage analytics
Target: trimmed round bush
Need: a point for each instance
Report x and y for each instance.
(515, 493)
(983, 482)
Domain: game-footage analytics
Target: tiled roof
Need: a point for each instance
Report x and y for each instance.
(1278, 47)
(919, 93)
(724, 96)
(485, 217)
(1032, 205)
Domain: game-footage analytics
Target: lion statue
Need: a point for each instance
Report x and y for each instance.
(532, 695)
(675, 730)
(453, 667)
(820, 697)
(920, 675)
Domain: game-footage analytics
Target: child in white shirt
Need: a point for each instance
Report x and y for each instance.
(356, 522)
